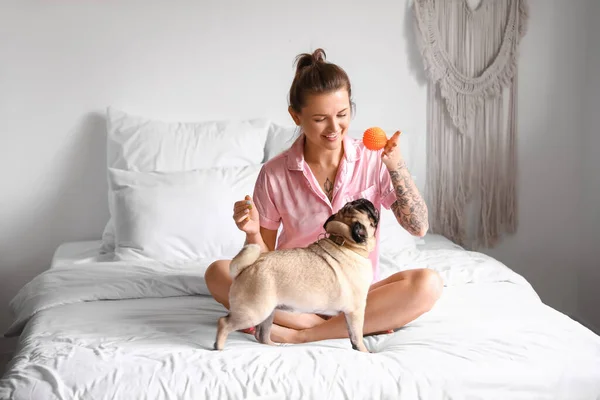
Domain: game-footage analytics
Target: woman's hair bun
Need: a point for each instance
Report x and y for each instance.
(306, 60)
(315, 75)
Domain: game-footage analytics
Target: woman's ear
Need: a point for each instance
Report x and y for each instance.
(294, 115)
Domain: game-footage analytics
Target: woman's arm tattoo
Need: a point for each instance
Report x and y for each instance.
(409, 208)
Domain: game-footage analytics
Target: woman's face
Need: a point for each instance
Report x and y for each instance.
(325, 119)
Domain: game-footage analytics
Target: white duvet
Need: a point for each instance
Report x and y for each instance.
(145, 331)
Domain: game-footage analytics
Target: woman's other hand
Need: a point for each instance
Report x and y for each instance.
(246, 216)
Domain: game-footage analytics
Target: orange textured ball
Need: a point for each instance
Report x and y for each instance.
(374, 138)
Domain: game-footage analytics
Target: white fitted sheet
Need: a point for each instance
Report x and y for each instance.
(89, 251)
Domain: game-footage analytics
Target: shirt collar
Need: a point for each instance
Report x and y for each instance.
(295, 156)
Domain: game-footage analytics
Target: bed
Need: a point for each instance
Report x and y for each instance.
(128, 324)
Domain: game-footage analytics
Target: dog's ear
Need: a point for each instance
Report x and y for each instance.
(374, 214)
(359, 232)
(367, 207)
(328, 221)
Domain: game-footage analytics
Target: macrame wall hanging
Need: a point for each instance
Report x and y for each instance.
(471, 58)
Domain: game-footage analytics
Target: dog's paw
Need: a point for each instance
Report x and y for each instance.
(216, 347)
(362, 349)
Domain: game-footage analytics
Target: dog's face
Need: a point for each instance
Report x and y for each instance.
(357, 221)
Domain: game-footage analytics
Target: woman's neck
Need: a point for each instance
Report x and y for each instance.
(321, 157)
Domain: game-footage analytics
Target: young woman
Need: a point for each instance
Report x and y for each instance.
(313, 179)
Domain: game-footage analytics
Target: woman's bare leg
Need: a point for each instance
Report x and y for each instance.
(391, 304)
(219, 281)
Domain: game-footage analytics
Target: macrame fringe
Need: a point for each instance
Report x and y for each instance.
(471, 60)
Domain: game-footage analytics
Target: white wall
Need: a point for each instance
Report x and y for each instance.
(63, 62)
(546, 248)
(589, 277)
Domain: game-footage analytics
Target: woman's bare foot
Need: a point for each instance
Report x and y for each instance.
(281, 334)
(381, 333)
(291, 334)
(298, 321)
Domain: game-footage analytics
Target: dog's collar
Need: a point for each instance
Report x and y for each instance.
(339, 240)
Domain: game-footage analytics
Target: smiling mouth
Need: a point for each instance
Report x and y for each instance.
(332, 136)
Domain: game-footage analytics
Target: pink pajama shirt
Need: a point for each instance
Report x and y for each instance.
(287, 193)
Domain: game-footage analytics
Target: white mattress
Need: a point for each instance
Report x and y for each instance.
(90, 251)
(110, 330)
(79, 253)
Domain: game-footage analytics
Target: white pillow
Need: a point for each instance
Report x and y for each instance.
(141, 144)
(178, 217)
(279, 139)
(393, 238)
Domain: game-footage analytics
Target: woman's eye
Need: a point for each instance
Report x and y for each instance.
(341, 115)
(319, 120)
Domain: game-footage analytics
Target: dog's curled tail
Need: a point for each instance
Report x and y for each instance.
(246, 257)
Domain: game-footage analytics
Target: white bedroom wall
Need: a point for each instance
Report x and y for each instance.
(63, 62)
(547, 247)
(589, 276)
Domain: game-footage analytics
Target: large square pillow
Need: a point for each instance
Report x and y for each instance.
(279, 139)
(178, 217)
(142, 144)
(393, 238)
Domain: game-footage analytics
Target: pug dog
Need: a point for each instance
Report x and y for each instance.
(330, 276)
